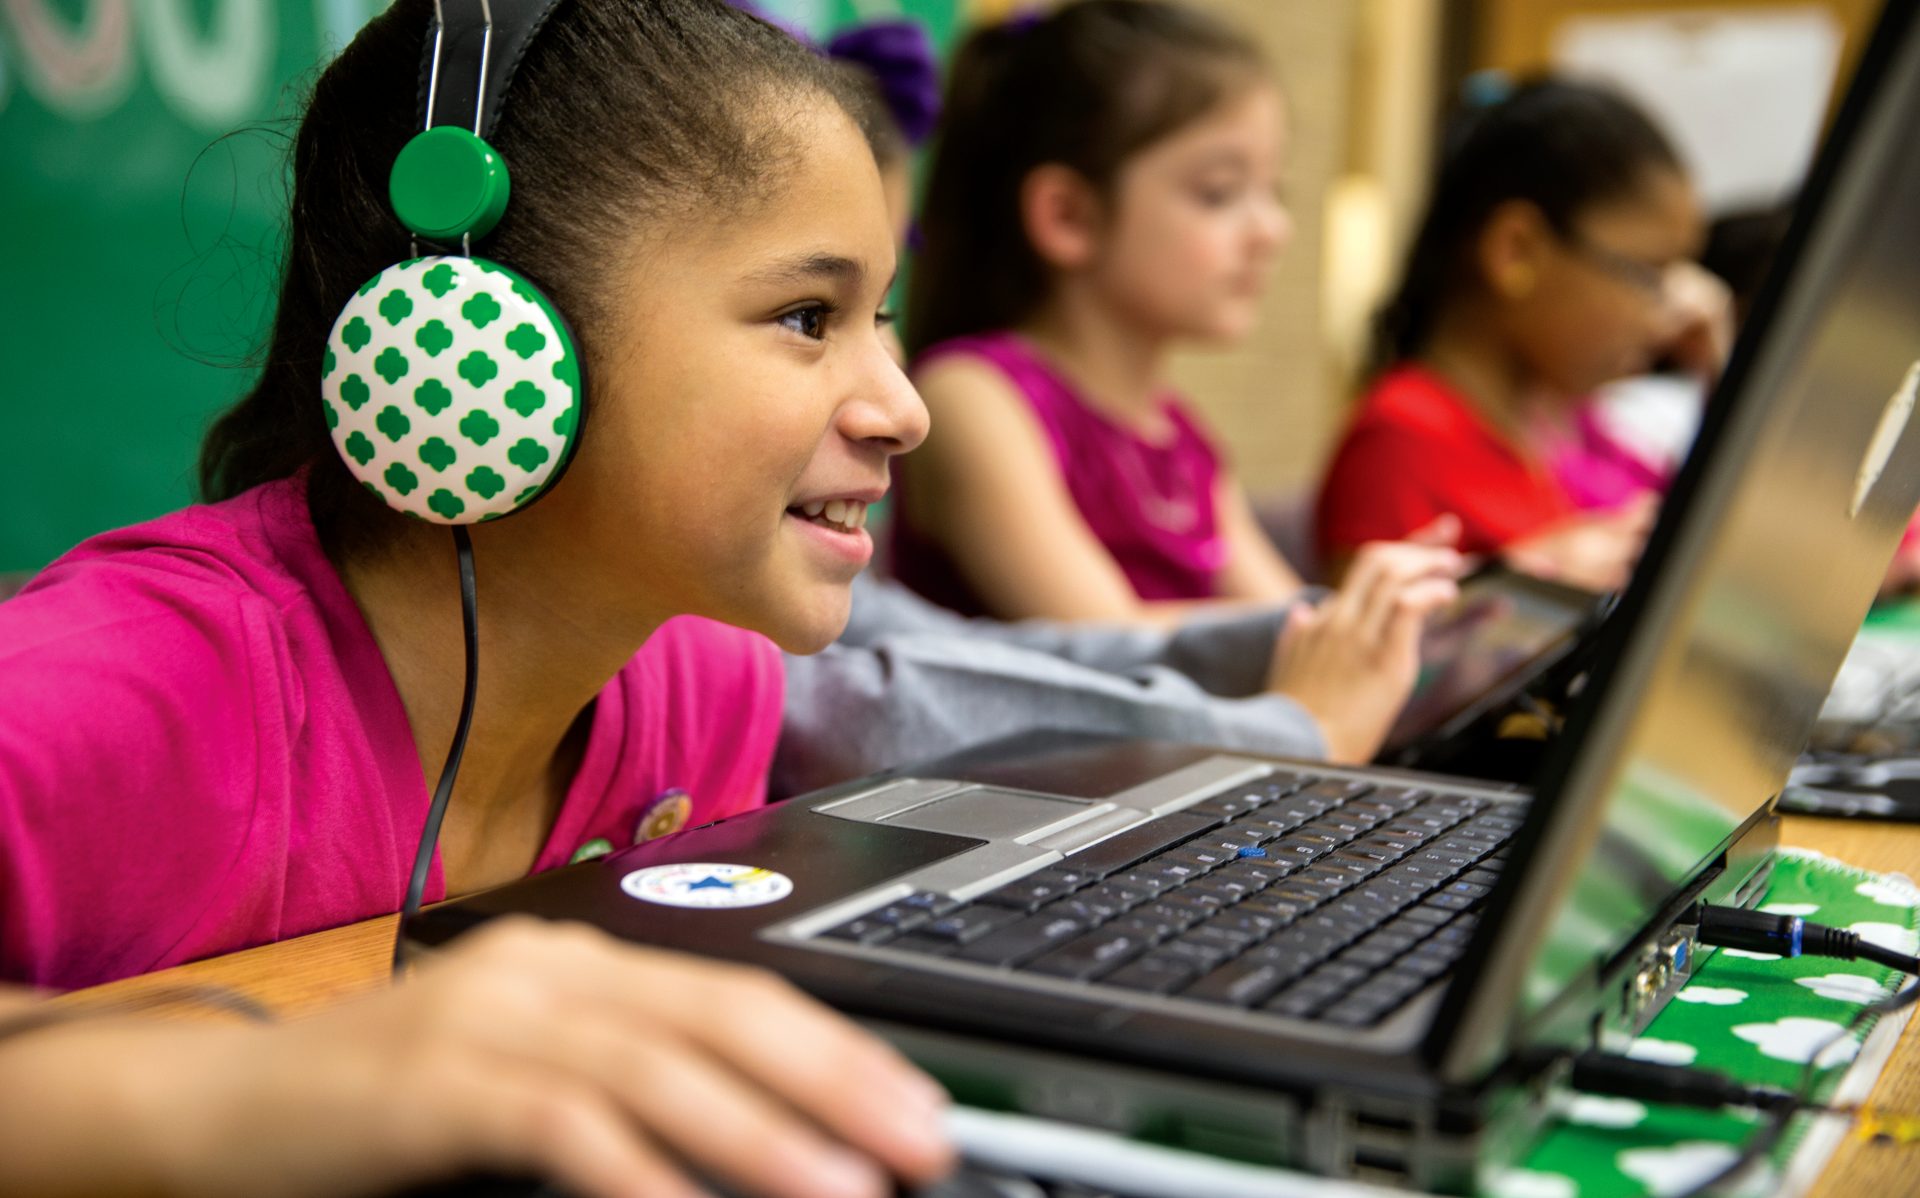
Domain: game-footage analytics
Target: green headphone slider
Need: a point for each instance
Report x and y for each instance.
(447, 183)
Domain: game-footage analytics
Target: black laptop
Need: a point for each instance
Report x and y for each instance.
(1369, 972)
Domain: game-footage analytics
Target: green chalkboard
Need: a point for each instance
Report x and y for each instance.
(141, 189)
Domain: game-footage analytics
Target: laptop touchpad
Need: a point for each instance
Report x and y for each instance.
(990, 814)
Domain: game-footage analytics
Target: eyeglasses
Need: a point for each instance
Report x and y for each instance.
(1642, 276)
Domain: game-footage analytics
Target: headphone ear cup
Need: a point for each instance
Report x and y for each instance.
(452, 389)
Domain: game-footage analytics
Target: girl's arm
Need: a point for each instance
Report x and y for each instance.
(1255, 571)
(987, 490)
(528, 1048)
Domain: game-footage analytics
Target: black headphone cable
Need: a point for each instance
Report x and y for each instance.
(437, 810)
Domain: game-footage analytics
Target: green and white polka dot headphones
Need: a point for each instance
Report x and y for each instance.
(452, 385)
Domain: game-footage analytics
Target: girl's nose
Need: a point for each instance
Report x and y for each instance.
(889, 412)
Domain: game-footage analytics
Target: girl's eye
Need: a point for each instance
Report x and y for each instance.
(884, 318)
(810, 322)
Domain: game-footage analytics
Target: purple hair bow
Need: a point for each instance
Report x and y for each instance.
(899, 56)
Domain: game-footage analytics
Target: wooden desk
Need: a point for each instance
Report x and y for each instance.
(312, 972)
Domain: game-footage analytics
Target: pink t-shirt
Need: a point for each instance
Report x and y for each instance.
(201, 748)
(1151, 504)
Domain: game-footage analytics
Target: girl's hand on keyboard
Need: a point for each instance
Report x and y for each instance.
(1351, 661)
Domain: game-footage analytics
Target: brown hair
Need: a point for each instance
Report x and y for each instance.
(622, 112)
(1087, 87)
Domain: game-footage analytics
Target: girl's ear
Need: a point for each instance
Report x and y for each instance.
(1512, 249)
(1061, 216)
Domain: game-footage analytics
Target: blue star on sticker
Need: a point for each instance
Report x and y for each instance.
(710, 883)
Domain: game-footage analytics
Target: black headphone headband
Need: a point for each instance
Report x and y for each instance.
(463, 40)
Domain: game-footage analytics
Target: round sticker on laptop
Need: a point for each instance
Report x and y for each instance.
(701, 884)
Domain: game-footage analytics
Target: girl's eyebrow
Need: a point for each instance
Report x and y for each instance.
(1226, 156)
(811, 268)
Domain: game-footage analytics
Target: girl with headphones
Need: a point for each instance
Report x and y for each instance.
(643, 382)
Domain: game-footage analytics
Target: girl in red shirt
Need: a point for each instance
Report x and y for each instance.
(1554, 257)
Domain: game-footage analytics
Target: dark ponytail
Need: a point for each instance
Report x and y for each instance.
(623, 112)
(1086, 87)
(1560, 145)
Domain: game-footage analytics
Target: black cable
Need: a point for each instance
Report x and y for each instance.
(1676, 1085)
(1752, 931)
(1767, 1137)
(437, 810)
(1792, 936)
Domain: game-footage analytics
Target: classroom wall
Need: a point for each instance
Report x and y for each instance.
(1274, 400)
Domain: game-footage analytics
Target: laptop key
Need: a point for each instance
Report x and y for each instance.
(1238, 836)
(1230, 940)
(1174, 872)
(1304, 897)
(1422, 966)
(1482, 876)
(1073, 907)
(1291, 960)
(1020, 941)
(1137, 843)
(1400, 797)
(1338, 790)
(931, 903)
(1143, 882)
(1238, 983)
(1302, 999)
(1330, 879)
(1414, 834)
(1227, 890)
(1193, 899)
(900, 917)
(1091, 956)
(920, 942)
(1183, 908)
(1359, 861)
(1227, 806)
(1201, 954)
(1298, 850)
(1147, 927)
(968, 924)
(1343, 974)
(1338, 827)
(1393, 847)
(1257, 872)
(864, 930)
(1395, 940)
(1367, 955)
(1155, 974)
(1282, 911)
(1027, 894)
(1115, 895)
(1202, 857)
(1253, 923)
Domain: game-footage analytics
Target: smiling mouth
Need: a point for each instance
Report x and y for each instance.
(837, 515)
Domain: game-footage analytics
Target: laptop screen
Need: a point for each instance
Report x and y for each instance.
(1489, 644)
(1772, 544)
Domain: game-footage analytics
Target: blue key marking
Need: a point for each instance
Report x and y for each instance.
(1252, 850)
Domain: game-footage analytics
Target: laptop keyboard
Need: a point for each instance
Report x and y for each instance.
(1314, 898)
